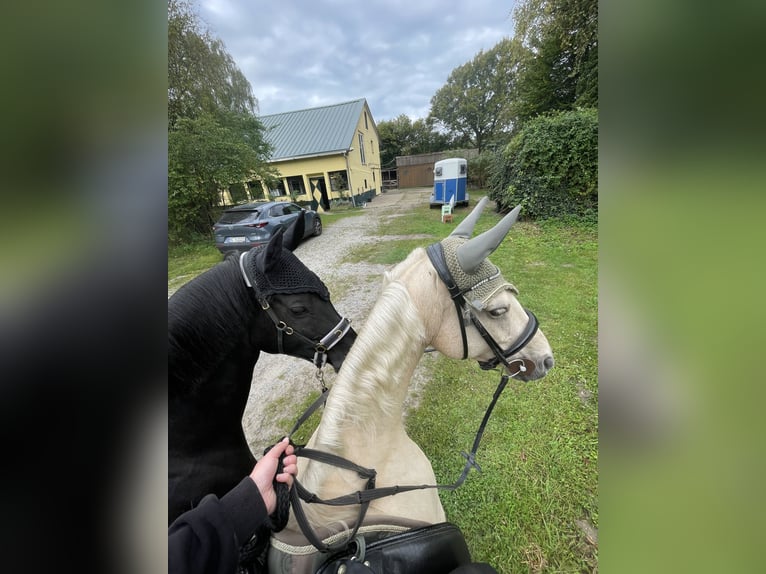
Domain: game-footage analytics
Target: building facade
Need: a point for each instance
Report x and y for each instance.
(322, 154)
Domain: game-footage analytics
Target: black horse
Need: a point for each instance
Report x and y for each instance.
(218, 324)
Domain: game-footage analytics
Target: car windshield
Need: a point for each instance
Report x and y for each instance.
(232, 217)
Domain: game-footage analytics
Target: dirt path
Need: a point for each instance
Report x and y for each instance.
(280, 382)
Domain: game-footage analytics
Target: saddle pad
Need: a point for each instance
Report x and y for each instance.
(433, 549)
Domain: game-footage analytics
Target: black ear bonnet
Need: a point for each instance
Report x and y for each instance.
(273, 272)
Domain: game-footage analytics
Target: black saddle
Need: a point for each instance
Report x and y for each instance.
(434, 549)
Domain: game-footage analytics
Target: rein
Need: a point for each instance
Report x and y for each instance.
(321, 347)
(364, 497)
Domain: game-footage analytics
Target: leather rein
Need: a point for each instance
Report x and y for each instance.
(363, 497)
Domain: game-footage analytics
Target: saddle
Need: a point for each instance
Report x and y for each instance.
(388, 546)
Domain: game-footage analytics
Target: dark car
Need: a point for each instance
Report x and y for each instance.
(251, 224)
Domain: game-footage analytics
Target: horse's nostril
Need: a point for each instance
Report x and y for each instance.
(548, 362)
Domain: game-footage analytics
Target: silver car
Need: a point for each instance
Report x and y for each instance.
(251, 224)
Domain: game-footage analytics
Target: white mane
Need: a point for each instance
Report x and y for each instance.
(365, 405)
(387, 350)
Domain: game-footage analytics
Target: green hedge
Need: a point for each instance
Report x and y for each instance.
(550, 167)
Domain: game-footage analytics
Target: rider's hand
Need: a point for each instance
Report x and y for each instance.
(266, 468)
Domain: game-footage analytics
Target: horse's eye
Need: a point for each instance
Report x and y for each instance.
(499, 311)
(298, 309)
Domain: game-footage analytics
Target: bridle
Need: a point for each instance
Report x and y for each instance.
(321, 347)
(466, 316)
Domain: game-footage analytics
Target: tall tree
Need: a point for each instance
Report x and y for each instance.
(395, 138)
(215, 140)
(202, 76)
(402, 136)
(473, 103)
(559, 56)
(426, 138)
(205, 156)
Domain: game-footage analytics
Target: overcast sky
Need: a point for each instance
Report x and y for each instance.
(300, 54)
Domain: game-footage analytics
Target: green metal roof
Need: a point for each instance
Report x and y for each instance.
(315, 131)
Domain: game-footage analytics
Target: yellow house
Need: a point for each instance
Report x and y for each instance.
(325, 153)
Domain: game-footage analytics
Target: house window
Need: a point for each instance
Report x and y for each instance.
(237, 193)
(277, 188)
(255, 190)
(361, 148)
(365, 183)
(338, 180)
(295, 185)
(365, 121)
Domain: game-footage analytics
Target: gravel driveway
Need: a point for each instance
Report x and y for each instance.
(277, 378)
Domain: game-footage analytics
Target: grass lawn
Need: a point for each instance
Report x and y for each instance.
(539, 454)
(187, 261)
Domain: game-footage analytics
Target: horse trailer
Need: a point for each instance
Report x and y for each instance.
(449, 181)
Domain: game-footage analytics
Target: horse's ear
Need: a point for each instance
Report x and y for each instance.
(465, 229)
(294, 233)
(474, 251)
(273, 250)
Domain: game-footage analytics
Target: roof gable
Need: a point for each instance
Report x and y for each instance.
(315, 131)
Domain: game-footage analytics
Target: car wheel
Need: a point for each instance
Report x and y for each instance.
(317, 227)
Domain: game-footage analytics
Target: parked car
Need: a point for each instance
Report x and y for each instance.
(251, 224)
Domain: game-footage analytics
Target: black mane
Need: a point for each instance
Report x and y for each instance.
(205, 321)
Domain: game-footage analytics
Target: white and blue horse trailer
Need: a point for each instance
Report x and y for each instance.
(449, 181)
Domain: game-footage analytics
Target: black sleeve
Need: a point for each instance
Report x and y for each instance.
(207, 538)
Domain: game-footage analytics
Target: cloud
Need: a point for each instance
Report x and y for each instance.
(397, 54)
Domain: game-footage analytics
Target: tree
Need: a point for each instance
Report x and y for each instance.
(558, 64)
(402, 136)
(474, 102)
(395, 136)
(427, 139)
(205, 155)
(215, 139)
(202, 76)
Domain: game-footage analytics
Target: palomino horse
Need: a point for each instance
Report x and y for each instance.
(218, 324)
(478, 317)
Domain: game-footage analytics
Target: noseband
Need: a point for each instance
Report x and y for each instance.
(321, 347)
(435, 253)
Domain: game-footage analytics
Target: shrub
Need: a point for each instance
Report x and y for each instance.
(550, 167)
(478, 170)
(499, 177)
